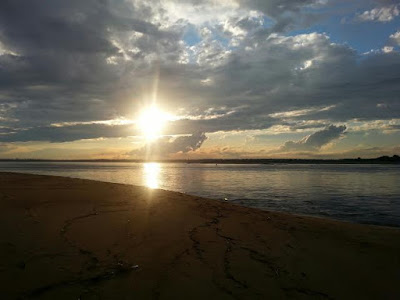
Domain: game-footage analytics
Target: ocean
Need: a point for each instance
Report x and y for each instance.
(368, 194)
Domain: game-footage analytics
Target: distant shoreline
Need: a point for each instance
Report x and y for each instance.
(395, 159)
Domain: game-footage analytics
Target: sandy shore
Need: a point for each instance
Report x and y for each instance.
(63, 238)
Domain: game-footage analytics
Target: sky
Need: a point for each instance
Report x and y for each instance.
(236, 78)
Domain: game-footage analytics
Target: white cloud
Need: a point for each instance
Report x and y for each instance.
(395, 37)
(5, 50)
(300, 112)
(387, 49)
(210, 53)
(197, 12)
(379, 14)
(384, 126)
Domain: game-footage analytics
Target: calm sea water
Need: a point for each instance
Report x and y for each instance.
(355, 193)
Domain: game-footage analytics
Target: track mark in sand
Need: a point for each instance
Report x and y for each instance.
(94, 212)
(194, 231)
(106, 271)
(107, 274)
(260, 257)
(229, 242)
(196, 243)
(92, 261)
(227, 267)
(69, 222)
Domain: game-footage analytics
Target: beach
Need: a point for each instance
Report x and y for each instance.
(64, 238)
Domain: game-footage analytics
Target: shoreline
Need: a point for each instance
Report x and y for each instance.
(67, 238)
(215, 199)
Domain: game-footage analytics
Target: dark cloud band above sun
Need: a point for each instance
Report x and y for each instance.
(231, 66)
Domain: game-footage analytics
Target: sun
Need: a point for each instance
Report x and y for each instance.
(151, 122)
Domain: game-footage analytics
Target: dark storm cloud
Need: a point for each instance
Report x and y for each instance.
(57, 56)
(288, 73)
(316, 140)
(241, 120)
(187, 143)
(302, 72)
(69, 26)
(69, 133)
(83, 61)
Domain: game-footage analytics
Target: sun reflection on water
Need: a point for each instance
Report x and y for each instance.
(151, 174)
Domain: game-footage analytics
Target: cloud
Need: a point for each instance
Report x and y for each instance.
(72, 58)
(379, 14)
(78, 62)
(306, 73)
(287, 14)
(395, 38)
(315, 141)
(6, 148)
(69, 133)
(165, 146)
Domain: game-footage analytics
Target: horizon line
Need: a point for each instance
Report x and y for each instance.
(395, 158)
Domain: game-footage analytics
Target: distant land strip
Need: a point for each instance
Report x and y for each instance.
(395, 159)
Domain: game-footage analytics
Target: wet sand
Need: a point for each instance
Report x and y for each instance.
(63, 238)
